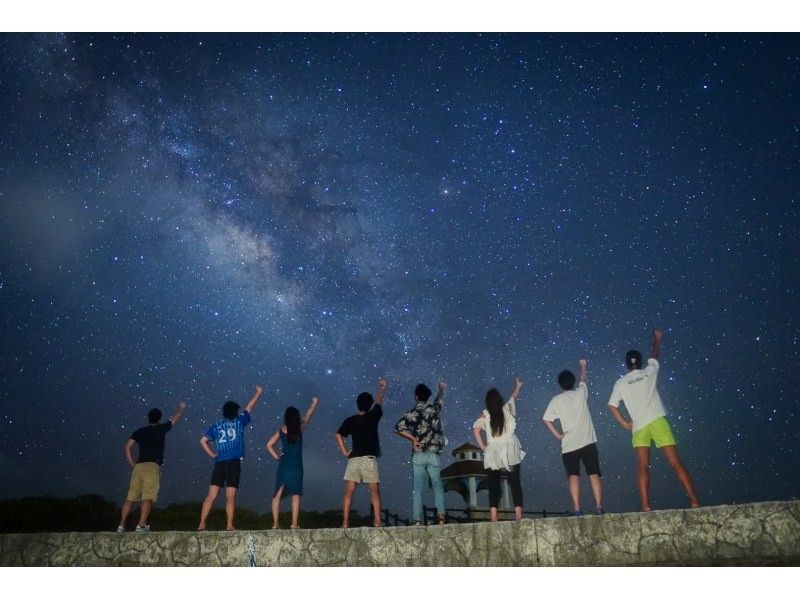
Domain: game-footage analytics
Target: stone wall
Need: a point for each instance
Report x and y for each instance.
(753, 534)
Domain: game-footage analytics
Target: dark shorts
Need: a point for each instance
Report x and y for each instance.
(226, 473)
(587, 454)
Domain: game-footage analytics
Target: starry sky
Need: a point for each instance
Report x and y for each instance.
(186, 216)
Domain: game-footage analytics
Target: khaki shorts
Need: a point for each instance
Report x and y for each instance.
(145, 482)
(362, 469)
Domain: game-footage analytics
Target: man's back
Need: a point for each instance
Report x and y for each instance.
(425, 424)
(228, 436)
(151, 440)
(572, 409)
(364, 430)
(637, 389)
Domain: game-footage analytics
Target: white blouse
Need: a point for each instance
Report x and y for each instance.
(504, 451)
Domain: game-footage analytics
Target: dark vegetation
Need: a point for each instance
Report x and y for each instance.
(93, 513)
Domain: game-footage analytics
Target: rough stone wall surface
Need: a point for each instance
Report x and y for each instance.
(756, 534)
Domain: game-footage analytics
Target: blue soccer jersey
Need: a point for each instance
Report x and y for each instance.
(228, 435)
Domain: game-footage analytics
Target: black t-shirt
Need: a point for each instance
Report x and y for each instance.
(364, 429)
(151, 442)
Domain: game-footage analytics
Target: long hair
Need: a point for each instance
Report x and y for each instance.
(494, 405)
(291, 418)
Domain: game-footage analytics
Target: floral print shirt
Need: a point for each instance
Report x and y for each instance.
(425, 424)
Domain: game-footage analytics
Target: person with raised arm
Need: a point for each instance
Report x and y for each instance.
(228, 437)
(146, 474)
(577, 436)
(289, 478)
(362, 459)
(422, 426)
(648, 423)
(501, 451)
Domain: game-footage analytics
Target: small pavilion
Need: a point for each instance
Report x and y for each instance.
(467, 476)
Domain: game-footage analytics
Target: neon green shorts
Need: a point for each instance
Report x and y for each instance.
(657, 431)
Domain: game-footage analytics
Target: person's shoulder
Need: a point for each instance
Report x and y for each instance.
(652, 361)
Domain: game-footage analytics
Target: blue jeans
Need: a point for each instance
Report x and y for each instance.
(427, 464)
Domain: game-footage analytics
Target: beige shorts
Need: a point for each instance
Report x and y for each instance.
(145, 482)
(362, 469)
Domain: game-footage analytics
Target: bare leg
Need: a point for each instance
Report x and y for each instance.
(207, 504)
(671, 454)
(597, 489)
(575, 492)
(517, 513)
(230, 507)
(126, 510)
(492, 513)
(375, 499)
(144, 512)
(347, 500)
(295, 510)
(276, 505)
(643, 475)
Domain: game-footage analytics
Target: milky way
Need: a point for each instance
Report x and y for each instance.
(185, 216)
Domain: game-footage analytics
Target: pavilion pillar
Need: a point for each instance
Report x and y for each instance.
(473, 491)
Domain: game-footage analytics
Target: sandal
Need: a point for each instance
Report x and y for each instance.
(441, 519)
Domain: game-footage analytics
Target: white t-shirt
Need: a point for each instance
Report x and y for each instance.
(637, 389)
(571, 407)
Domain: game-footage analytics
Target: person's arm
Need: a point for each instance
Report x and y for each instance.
(129, 451)
(206, 448)
(476, 432)
(252, 404)
(553, 430)
(517, 387)
(178, 413)
(655, 350)
(342, 448)
(382, 384)
(271, 445)
(440, 390)
(582, 364)
(310, 411)
(401, 429)
(620, 419)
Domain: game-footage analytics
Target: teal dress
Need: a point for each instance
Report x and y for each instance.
(290, 467)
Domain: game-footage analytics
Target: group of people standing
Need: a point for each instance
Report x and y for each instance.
(494, 431)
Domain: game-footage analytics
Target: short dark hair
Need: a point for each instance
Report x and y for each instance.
(154, 416)
(364, 401)
(566, 380)
(422, 392)
(633, 359)
(230, 410)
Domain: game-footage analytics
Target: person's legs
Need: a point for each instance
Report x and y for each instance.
(434, 471)
(126, 511)
(207, 504)
(347, 500)
(375, 499)
(420, 476)
(516, 490)
(643, 475)
(671, 454)
(575, 491)
(295, 510)
(597, 490)
(494, 492)
(591, 462)
(230, 507)
(276, 504)
(144, 512)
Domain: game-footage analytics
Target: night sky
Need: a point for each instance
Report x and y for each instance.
(186, 216)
